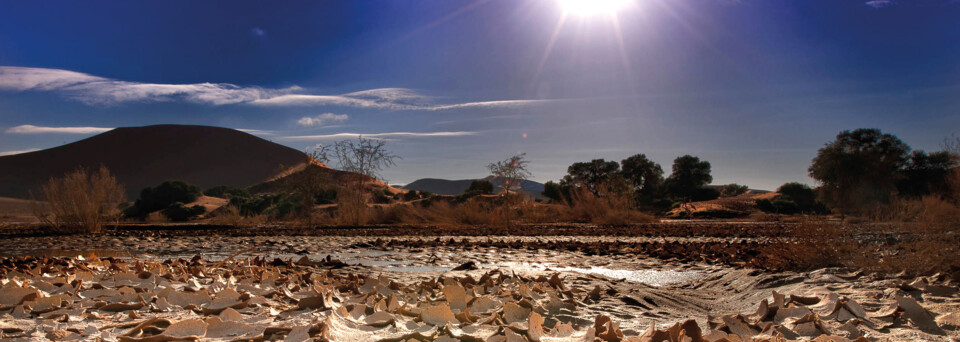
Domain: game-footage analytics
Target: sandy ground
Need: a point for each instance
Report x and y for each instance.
(634, 292)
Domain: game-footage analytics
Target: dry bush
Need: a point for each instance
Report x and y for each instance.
(917, 237)
(351, 207)
(475, 211)
(816, 243)
(82, 202)
(229, 215)
(533, 212)
(737, 204)
(608, 208)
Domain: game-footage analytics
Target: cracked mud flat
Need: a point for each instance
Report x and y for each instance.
(397, 292)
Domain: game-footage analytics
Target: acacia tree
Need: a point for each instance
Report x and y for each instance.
(592, 175)
(363, 160)
(511, 172)
(859, 167)
(644, 175)
(689, 176)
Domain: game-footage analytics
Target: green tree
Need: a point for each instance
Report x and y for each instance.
(799, 193)
(480, 187)
(592, 174)
(689, 175)
(926, 174)
(163, 195)
(644, 176)
(860, 167)
(553, 191)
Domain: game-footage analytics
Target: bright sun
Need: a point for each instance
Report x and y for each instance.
(592, 7)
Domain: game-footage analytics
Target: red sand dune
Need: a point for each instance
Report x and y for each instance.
(145, 156)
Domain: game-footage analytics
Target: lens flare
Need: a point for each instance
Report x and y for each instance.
(592, 7)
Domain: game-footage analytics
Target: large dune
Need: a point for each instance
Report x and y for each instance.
(145, 156)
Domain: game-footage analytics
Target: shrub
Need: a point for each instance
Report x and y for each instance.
(328, 196)
(553, 191)
(81, 201)
(611, 208)
(705, 194)
(785, 206)
(799, 193)
(778, 205)
(480, 186)
(731, 190)
(718, 214)
(381, 196)
(286, 205)
(162, 196)
(467, 195)
(411, 195)
(227, 192)
(179, 212)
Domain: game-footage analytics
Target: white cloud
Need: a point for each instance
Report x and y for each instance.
(259, 32)
(255, 131)
(490, 104)
(386, 135)
(322, 119)
(10, 153)
(92, 90)
(31, 129)
(95, 90)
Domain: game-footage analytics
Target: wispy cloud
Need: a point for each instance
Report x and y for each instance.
(31, 129)
(880, 3)
(10, 153)
(95, 90)
(255, 131)
(387, 135)
(259, 32)
(322, 119)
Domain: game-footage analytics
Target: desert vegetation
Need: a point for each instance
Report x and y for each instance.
(81, 201)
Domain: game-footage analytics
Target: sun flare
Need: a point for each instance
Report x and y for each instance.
(592, 7)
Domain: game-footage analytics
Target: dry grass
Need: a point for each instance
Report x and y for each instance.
(82, 202)
(913, 236)
(609, 208)
(352, 209)
(229, 215)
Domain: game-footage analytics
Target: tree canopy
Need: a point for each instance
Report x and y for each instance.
(689, 175)
(860, 166)
(644, 175)
(592, 174)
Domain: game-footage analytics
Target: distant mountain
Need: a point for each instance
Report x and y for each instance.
(145, 156)
(456, 187)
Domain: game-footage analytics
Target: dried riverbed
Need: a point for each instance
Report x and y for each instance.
(634, 291)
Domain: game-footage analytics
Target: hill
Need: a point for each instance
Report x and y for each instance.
(144, 156)
(456, 187)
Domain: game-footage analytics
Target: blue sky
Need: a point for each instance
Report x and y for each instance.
(754, 87)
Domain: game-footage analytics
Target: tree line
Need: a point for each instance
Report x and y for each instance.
(860, 170)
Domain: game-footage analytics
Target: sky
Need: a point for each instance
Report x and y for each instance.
(755, 87)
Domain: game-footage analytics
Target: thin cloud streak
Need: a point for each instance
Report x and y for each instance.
(31, 129)
(380, 135)
(322, 119)
(255, 131)
(10, 153)
(95, 90)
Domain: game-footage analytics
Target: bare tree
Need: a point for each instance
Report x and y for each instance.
(363, 159)
(511, 172)
(82, 201)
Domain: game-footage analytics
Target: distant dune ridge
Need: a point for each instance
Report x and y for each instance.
(145, 156)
